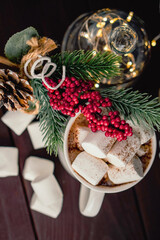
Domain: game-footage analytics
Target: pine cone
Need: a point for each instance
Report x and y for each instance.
(14, 91)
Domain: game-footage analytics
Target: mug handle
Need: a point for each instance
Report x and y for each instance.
(90, 201)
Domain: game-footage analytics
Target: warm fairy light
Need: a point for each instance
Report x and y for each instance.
(129, 64)
(96, 85)
(134, 74)
(106, 48)
(105, 19)
(113, 20)
(100, 24)
(130, 16)
(94, 52)
(84, 34)
(131, 69)
(153, 43)
(146, 43)
(99, 33)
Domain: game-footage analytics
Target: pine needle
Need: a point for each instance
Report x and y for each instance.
(88, 65)
(135, 105)
(52, 123)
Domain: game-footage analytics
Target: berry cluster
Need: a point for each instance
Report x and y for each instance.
(77, 95)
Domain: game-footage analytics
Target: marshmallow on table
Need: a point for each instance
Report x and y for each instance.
(36, 135)
(52, 211)
(133, 171)
(122, 152)
(144, 133)
(35, 166)
(17, 121)
(89, 167)
(8, 161)
(97, 144)
(82, 133)
(48, 196)
(47, 189)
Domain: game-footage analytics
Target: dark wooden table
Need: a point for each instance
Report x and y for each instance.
(130, 215)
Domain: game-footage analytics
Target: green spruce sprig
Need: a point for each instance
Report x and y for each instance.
(79, 64)
(88, 65)
(52, 123)
(135, 105)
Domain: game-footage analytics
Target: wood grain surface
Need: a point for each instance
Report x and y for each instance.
(130, 215)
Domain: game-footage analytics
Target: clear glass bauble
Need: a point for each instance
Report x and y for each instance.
(116, 31)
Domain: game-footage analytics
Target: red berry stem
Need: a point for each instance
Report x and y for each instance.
(77, 95)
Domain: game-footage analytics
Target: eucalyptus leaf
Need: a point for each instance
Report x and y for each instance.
(16, 46)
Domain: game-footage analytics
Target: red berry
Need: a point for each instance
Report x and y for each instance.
(94, 129)
(106, 123)
(104, 104)
(123, 122)
(104, 117)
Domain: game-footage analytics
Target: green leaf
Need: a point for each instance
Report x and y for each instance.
(16, 46)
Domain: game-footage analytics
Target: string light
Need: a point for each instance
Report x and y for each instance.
(113, 20)
(84, 34)
(129, 64)
(99, 33)
(154, 41)
(96, 85)
(106, 48)
(105, 19)
(100, 24)
(130, 16)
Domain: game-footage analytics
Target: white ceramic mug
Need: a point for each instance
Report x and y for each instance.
(91, 197)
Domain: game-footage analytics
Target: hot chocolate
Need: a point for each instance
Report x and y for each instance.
(105, 161)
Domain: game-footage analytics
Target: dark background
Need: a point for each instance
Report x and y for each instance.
(133, 214)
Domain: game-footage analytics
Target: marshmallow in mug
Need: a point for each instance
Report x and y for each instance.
(133, 171)
(91, 168)
(82, 133)
(144, 133)
(122, 152)
(97, 144)
(141, 151)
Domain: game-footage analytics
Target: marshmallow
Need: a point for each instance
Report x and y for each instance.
(133, 171)
(122, 152)
(8, 161)
(82, 133)
(36, 135)
(52, 210)
(144, 133)
(97, 144)
(141, 151)
(35, 166)
(47, 189)
(89, 167)
(73, 154)
(17, 121)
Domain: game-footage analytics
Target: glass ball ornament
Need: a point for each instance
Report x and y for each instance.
(115, 31)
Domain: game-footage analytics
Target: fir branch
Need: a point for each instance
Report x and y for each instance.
(52, 123)
(133, 104)
(88, 65)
